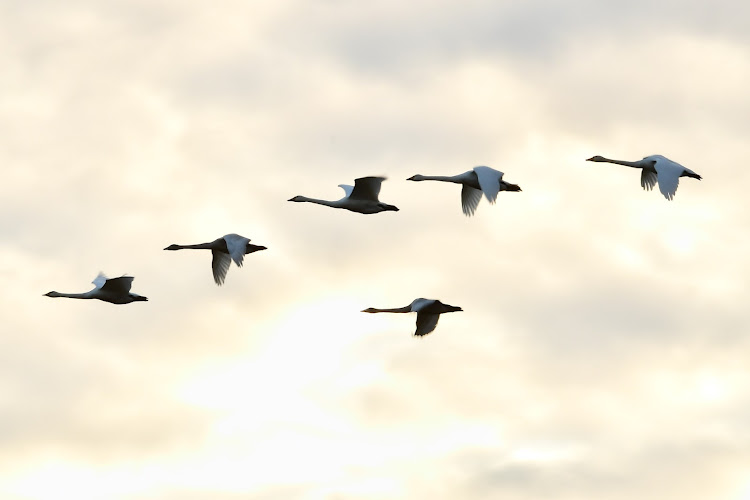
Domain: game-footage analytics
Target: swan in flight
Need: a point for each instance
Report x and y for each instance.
(228, 248)
(475, 182)
(361, 198)
(113, 290)
(656, 168)
(428, 312)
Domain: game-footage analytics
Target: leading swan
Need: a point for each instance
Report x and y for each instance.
(656, 168)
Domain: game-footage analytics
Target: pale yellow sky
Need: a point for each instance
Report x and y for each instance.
(602, 348)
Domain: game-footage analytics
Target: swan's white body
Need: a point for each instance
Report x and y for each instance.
(475, 182)
(428, 313)
(228, 248)
(112, 290)
(361, 198)
(656, 168)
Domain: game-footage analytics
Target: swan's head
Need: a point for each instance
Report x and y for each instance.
(52, 294)
(297, 198)
(254, 248)
(386, 207)
(417, 177)
(507, 186)
(369, 310)
(173, 247)
(597, 158)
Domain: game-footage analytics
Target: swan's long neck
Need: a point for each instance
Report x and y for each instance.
(328, 203)
(405, 309)
(634, 164)
(199, 246)
(451, 178)
(84, 295)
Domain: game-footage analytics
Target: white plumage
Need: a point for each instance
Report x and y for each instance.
(656, 169)
(361, 198)
(477, 181)
(428, 313)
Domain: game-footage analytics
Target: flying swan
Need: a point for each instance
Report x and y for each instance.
(656, 168)
(475, 182)
(228, 248)
(112, 290)
(428, 313)
(361, 198)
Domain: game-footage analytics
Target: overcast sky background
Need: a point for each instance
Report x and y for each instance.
(602, 351)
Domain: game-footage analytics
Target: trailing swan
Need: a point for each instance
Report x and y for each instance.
(428, 313)
(113, 290)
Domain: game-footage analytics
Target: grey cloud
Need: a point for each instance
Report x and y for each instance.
(657, 471)
(533, 32)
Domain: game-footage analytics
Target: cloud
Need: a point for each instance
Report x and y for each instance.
(599, 351)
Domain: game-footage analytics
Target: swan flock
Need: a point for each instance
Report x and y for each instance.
(363, 198)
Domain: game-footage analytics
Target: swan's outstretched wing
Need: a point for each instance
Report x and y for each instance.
(366, 188)
(648, 179)
(668, 173)
(426, 322)
(420, 304)
(236, 246)
(119, 285)
(470, 198)
(347, 189)
(220, 265)
(489, 181)
(99, 280)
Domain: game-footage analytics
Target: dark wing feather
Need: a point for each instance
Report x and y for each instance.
(648, 179)
(426, 322)
(119, 285)
(470, 199)
(220, 265)
(366, 188)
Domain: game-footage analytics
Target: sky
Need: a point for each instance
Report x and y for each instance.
(601, 351)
